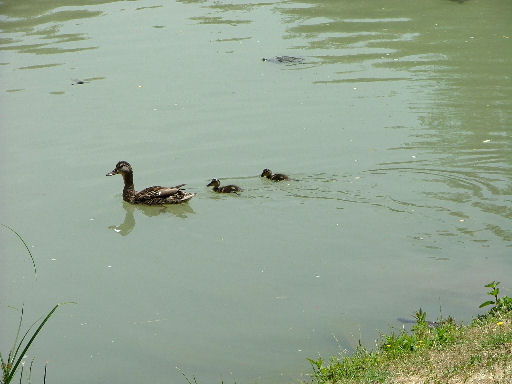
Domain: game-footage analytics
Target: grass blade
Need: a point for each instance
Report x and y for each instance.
(185, 376)
(20, 357)
(30, 372)
(13, 356)
(26, 246)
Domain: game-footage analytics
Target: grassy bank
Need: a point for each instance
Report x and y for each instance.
(441, 352)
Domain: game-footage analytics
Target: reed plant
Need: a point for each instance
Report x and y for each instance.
(26, 247)
(500, 305)
(14, 359)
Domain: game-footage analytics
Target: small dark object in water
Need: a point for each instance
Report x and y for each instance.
(78, 82)
(155, 195)
(274, 177)
(285, 60)
(225, 189)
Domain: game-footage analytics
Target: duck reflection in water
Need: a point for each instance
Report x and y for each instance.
(182, 211)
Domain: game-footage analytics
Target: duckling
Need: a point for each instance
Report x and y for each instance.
(225, 189)
(274, 177)
(155, 195)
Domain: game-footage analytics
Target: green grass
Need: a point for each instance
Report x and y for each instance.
(434, 353)
(14, 358)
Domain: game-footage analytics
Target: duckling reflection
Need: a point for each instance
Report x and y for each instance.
(182, 211)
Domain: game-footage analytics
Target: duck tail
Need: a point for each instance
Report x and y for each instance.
(187, 196)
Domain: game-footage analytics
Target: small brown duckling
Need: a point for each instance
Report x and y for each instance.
(225, 189)
(274, 177)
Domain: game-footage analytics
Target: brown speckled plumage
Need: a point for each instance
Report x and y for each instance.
(274, 177)
(225, 189)
(155, 195)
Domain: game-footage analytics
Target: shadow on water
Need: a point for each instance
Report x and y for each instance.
(181, 211)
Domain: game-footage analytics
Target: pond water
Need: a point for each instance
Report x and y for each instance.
(395, 129)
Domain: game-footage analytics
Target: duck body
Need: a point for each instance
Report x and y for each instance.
(155, 195)
(225, 189)
(274, 177)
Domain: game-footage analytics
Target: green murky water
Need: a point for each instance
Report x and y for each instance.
(396, 129)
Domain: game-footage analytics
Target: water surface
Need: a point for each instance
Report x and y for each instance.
(395, 130)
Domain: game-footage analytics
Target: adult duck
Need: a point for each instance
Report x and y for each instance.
(155, 195)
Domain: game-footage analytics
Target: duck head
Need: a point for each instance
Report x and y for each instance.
(214, 183)
(123, 167)
(266, 173)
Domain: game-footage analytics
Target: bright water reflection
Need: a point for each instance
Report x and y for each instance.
(395, 131)
(35, 26)
(181, 211)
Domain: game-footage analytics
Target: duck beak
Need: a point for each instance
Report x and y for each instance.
(114, 172)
